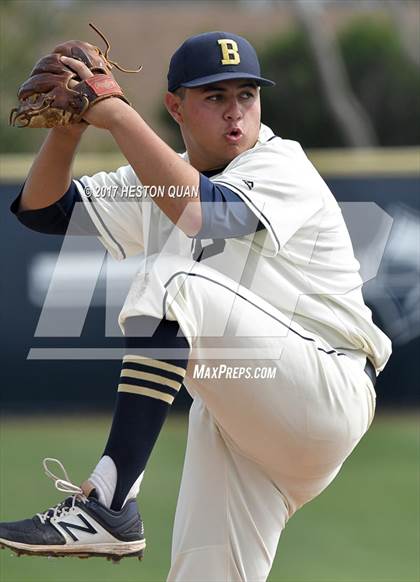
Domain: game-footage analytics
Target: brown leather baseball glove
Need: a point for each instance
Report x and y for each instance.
(55, 96)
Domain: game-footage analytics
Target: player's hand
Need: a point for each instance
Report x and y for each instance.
(100, 114)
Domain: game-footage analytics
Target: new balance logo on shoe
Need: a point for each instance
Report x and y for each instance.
(88, 528)
(80, 526)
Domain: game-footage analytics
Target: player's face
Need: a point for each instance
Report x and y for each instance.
(219, 121)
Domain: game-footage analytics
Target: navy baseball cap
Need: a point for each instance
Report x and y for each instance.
(211, 57)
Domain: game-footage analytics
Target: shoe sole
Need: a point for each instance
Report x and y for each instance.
(114, 552)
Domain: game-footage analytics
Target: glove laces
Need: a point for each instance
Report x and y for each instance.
(108, 48)
(64, 485)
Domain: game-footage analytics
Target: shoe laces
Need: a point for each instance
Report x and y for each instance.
(65, 485)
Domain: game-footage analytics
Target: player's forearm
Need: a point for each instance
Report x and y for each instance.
(155, 163)
(50, 174)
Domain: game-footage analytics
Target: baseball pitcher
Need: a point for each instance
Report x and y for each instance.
(245, 265)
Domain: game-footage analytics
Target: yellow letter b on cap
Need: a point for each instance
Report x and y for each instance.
(230, 53)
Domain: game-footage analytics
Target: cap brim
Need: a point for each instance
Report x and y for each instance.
(226, 77)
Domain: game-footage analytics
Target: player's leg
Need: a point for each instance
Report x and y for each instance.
(299, 423)
(296, 428)
(229, 514)
(152, 373)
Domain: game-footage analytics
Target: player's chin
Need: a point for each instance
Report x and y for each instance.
(234, 148)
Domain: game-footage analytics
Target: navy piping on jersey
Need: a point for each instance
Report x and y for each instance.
(261, 214)
(309, 339)
(272, 137)
(120, 248)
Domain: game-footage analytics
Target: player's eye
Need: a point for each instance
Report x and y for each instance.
(214, 97)
(247, 95)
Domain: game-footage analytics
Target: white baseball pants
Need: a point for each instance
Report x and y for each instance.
(258, 449)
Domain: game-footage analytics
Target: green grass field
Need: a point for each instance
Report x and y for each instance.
(365, 527)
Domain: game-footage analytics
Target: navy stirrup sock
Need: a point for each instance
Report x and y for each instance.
(147, 388)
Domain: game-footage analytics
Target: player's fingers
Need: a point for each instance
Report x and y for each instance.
(77, 66)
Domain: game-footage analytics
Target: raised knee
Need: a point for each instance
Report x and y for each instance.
(167, 267)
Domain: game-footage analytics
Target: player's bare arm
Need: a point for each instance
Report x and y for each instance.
(50, 174)
(154, 162)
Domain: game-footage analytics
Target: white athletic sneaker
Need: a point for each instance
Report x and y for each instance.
(79, 526)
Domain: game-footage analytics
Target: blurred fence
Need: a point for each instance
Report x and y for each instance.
(379, 194)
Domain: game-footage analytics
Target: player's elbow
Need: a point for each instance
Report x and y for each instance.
(191, 220)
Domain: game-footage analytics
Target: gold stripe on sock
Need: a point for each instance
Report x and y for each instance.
(146, 392)
(155, 364)
(151, 377)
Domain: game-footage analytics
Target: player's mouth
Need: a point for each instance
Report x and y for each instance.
(234, 135)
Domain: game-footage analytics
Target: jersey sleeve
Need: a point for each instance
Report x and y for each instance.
(224, 213)
(56, 218)
(114, 203)
(281, 187)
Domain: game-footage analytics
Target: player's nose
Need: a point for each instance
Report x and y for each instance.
(233, 110)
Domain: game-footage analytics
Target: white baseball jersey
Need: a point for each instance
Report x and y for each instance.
(302, 263)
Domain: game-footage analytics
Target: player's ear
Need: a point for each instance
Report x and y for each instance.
(173, 105)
